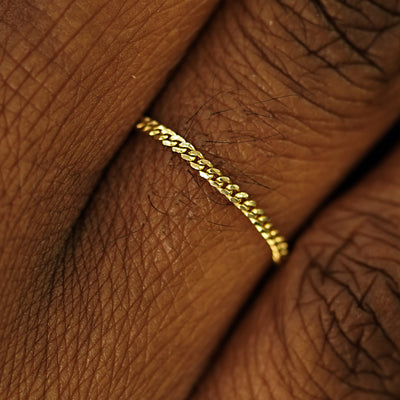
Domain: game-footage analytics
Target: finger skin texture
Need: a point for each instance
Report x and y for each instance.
(74, 78)
(326, 326)
(159, 264)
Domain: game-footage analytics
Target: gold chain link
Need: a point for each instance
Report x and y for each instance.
(223, 184)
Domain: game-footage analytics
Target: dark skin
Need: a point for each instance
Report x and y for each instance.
(122, 272)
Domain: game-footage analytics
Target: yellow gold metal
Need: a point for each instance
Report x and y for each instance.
(223, 184)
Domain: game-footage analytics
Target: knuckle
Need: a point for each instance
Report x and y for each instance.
(351, 288)
(350, 43)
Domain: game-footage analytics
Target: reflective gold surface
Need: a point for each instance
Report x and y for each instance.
(223, 184)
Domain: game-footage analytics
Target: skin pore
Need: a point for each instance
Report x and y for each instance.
(122, 271)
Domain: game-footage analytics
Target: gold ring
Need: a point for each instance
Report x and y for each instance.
(222, 183)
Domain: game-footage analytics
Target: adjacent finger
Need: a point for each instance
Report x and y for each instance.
(327, 324)
(74, 78)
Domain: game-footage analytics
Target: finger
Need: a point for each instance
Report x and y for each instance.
(160, 264)
(74, 77)
(327, 325)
